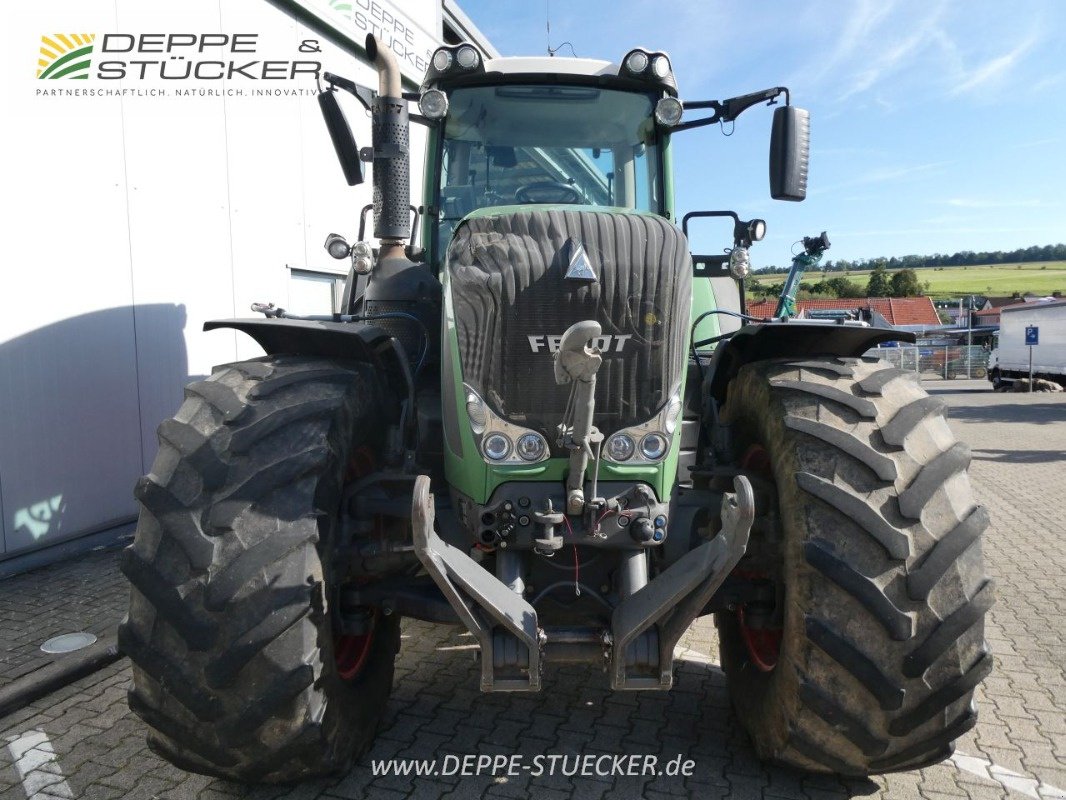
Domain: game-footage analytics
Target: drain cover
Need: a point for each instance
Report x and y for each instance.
(68, 642)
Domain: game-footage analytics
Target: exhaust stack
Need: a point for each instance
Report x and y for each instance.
(390, 137)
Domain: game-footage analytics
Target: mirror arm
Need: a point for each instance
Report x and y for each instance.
(366, 96)
(735, 106)
(729, 110)
(361, 93)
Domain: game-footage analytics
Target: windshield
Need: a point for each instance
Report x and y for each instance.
(507, 145)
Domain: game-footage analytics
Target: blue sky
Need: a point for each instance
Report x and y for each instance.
(937, 125)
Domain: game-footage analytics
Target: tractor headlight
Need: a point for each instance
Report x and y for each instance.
(496, 447)
(499, 441)
(337, 247)
(467, 57)
(660, 66)
(531, 446)
(433, 104)
(477, 413)
(668, 111)
(654, 446)
(636, 62)
(739, 263)
(621, 447)
(442, 59)
(648, 442)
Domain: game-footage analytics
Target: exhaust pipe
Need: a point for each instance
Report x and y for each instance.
(390, 136)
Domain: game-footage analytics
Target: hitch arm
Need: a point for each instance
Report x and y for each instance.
(651, 621)
(504, 624)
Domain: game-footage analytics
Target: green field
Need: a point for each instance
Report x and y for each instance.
(1001, 279)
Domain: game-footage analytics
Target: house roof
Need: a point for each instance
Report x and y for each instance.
(895, 310)
(1035, 304)
(999, 302)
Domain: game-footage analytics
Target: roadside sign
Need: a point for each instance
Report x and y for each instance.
(1032, 334)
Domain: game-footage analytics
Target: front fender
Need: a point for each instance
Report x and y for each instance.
(356, 341)
(791, 340)
(352, 340)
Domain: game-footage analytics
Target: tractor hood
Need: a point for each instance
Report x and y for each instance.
(518, 278)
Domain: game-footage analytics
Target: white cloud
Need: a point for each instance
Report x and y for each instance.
(887, 57)
(900, 49)
(995, 68)
(1037, 142)
(884, 175)
(865, 17)
(977, 202)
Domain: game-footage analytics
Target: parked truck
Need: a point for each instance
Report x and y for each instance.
(526, 421)
(1039, 325)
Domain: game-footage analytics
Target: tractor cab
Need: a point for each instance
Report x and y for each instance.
(544, 131)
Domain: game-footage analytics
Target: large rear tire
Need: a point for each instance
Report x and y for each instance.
(877, 540)
(229, 629)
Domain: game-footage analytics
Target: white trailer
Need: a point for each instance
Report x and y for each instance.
(1041, 321)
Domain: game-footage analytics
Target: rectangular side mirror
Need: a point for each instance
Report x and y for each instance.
(790, 141)
(341, 134)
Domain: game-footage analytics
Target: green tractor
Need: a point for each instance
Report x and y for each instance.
(530, 419)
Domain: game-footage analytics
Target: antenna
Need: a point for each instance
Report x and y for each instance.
(548, 26)
(548, 29)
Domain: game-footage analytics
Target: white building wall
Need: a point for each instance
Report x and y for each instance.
(130, 222)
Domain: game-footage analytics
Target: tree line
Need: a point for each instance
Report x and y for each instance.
(881, 283)
(963, 258)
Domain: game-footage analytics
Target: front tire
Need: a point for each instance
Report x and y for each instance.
(877, 543)
(230, 629)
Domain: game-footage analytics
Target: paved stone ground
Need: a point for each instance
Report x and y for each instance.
(86, 593)
(82, 742)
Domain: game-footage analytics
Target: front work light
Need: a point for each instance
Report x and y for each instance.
(433, 104)
(337, 247)
(637, 61)
(756, 230)
(442, 59)
(668, 111)
(660, 66)
(467, 57)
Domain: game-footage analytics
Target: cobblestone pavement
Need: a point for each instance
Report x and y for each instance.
(82, 742)
(86, 593)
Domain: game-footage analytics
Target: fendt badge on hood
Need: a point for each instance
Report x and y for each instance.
(579, 267)
(547, 343)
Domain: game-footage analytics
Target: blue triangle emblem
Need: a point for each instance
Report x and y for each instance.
(579, 267)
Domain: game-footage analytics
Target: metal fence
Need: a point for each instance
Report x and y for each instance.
(938, 361)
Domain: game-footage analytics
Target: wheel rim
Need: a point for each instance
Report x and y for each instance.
(763, 644)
